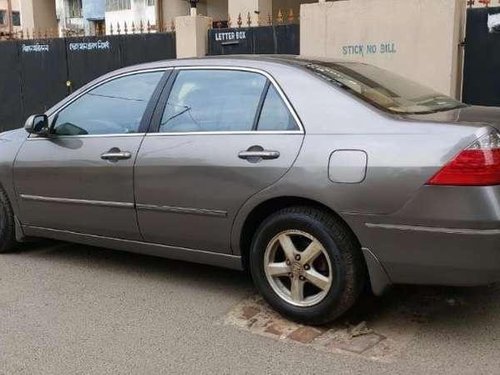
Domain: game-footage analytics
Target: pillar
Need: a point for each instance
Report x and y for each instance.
(192, 35)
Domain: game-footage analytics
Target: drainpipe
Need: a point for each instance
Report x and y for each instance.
(159, 14)
(9, 17)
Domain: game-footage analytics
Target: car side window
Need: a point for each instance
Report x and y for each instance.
(213, 101)
(275, 114)
(115, 107)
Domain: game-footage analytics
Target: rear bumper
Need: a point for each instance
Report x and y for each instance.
(443, 236)
(441, 256)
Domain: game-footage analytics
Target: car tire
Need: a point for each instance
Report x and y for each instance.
(337, 269)
(7, 226)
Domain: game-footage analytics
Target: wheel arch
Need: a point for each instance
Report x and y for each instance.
(378, 278)
(266, 208)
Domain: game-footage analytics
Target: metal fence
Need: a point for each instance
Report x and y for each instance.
(99, 29)
(37, 73)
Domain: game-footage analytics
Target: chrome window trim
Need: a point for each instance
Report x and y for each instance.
(275, 84)
(116, 135)
(100, 83)
(275, 132)
(39, 198)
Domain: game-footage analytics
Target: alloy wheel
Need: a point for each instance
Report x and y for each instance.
(298, 268)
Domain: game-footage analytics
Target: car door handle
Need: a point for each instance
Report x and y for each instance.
(116, 155)
(259, 154)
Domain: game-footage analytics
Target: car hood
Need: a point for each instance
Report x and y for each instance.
(469, 115)
(13, 135)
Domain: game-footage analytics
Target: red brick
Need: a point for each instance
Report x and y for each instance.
(249, 312)
(305, 335)
(275, 329)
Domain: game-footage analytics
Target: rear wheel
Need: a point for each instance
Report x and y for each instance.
(7, 228)
(307, 265)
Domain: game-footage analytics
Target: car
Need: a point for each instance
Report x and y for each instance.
(320, 177)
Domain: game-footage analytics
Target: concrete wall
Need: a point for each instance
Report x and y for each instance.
(15, 5)
(139, 12)
(38, 15)
(216, 9)
(286, 5)
(415, 38)
(243, 7)
(174, 8)
(93, 9)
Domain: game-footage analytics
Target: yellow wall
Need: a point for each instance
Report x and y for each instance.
(414, 38)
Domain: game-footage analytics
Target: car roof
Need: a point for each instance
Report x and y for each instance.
(253, 61)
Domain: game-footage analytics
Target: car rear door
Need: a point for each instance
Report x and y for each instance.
(221, 136)
(80, 178)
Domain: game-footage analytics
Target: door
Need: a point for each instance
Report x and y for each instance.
(80, 178)
(223, 135)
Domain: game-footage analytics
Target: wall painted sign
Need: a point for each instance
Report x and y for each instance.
(230, 35)
(27, 48)
(382, 48)
(99, 45)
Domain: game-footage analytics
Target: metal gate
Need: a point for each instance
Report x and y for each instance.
(10, 85)
(37, 73)
(43, 75)
(481, 83)
(283, 39)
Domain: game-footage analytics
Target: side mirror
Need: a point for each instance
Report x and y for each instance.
(37, 124)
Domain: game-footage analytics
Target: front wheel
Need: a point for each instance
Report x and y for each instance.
(307, 265)
(7, 230)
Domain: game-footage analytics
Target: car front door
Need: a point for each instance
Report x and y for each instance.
(222, 136)
(80, 177)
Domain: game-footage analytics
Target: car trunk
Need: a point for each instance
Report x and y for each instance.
(466, 115)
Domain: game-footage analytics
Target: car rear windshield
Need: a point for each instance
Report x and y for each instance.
(381, 88)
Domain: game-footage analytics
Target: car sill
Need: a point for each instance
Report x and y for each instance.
(164, 251)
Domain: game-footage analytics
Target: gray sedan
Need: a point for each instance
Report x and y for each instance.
(320, 177)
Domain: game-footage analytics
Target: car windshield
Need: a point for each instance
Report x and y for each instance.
(383, 89)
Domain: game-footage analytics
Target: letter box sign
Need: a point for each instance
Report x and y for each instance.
(230, 36)
(230, 41)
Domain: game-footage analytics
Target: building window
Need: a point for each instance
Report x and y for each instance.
(16, 18)
(75, 8)
(113, 5)
(4, 20)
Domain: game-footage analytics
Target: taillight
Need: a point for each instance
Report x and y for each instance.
(477, 165)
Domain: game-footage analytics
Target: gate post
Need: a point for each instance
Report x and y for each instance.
(191, 34)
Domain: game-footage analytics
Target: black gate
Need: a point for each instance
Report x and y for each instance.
(43, 74)
(91, 57)
(36, 74)
(283, 39)
(481, 84)
(10, 85)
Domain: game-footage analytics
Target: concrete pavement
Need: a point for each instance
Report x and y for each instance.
(70, 309)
